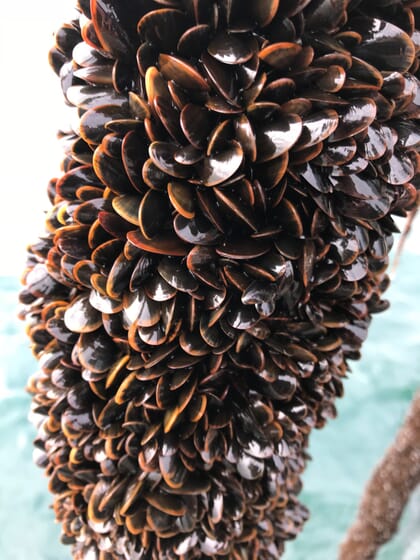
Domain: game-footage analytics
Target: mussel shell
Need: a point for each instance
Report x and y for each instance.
(172, 470)
(220, 75)
(364, 209)
(111, 172)
(134, 154)
(110, 26)
(196, 124)
(246, 137)
(92, 123)
(356, 117)
(357, 187)
(249, 467)
(188, 155)
(398, 170)
(280, 90)
(240, 212)
(243, 249)
(333, 80)
(197, 231)
(264, 11)
(270, 173)
(169, 117)
(162, 155)
(88, 97)
(182, 73)
(289, 218)
(337, 153)
(155, 85)
(161, 244)
(176, 275)
(81, 317)
(96, 351)
(230, 48)
(356, 271)
(201, 261)
(167, 503)
(127, 206)
(219, 167)
(277, 137)
(154, 177)
(152, 212)
(162, 28)
(191, 42)
(280, 55)
(383, 45)
(181, 196)
(408, 134)
(317, 127)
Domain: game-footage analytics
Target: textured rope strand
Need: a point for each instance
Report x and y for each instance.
(387, 492)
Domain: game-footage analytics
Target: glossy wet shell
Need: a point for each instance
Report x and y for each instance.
(215, 248)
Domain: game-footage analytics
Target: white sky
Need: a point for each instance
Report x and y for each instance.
(32, 109)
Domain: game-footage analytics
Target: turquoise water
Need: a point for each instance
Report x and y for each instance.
(377, 396)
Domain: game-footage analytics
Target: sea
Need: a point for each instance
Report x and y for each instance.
(378, 392)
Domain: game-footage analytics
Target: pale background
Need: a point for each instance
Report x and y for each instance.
(31, 109)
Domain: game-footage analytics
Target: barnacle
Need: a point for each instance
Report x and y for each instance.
(214, 251)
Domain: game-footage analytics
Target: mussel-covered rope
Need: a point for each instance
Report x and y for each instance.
(215, 248)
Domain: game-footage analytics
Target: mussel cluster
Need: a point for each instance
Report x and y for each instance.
(214, 251)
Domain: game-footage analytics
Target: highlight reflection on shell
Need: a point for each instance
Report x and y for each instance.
(215, 248)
